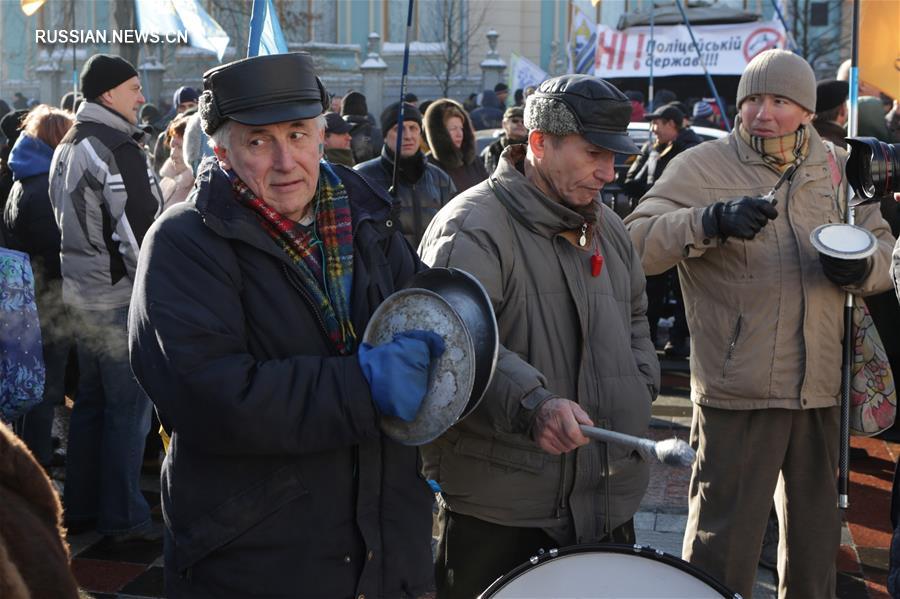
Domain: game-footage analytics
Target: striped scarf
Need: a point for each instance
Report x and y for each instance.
(779, 152)
(329, 287)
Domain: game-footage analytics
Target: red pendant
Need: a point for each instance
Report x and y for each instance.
(596, 264)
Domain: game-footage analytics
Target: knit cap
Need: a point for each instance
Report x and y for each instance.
(702, 110)
(781, 73)
(102, 72)
(391, 113)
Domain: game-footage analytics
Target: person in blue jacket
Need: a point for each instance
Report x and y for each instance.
(245, 330)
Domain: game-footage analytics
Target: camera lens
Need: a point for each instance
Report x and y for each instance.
(873, 168)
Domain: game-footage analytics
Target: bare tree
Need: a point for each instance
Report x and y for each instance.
(458, 26)
(819, 44)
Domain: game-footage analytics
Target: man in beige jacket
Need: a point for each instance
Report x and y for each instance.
(765, 314)
(568, 290)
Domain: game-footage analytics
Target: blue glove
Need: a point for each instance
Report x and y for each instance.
(398, 371)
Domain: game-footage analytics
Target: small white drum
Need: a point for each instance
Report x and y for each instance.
(842, 240)
(606, 571)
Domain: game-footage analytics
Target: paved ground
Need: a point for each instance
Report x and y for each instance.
(862, 562)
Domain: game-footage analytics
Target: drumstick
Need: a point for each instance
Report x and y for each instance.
(672, 452)
(785, 176)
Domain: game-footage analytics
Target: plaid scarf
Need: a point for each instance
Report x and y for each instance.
(779, 152)
(330, 286)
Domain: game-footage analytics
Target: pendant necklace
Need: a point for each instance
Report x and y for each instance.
(582, 241)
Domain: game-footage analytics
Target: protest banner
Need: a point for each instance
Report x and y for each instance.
(724, 49)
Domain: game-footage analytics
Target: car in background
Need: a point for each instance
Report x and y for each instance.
(639, 131)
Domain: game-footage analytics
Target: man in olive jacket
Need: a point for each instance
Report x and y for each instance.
(568, 290)
(765, 314)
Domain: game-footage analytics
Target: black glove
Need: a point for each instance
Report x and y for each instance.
(741, 217)
(844, 272)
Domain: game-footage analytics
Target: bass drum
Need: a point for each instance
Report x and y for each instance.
(606, 571)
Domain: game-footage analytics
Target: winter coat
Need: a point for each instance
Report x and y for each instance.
(490, 114)
(278, 481)
(177, 180)
(34, 555)
(831, 131)
(32, 229)
(340, 156)
(422, 189)
(462, 164)
(491, 154)
(565, 333)
(366, 138)
(639, 178)
(28, 215)
(105, 196)
(766, 324)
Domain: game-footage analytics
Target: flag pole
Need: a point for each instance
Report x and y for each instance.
(399, 144)
(652, 48)
(847, 357)
(787, 32)
(709, 79)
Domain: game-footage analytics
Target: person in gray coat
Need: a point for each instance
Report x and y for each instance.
(567, 286)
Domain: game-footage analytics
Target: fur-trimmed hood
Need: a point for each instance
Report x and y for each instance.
(442, 148)
(34, 557)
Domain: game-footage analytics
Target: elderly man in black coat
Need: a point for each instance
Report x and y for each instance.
(249, 307)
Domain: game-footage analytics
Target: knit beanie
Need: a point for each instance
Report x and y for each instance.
(184, 94)
(102, 72)
(354, 103)
(781, 73)
(390, 114)
(702, 110)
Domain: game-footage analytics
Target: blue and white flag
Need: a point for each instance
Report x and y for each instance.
(582, 43)
(265, 32)
(203, 31)
(174, 16)
(523, 72)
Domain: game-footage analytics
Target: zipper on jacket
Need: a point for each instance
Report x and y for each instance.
(308, 300)
(733, 344)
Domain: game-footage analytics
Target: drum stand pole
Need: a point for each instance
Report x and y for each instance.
(844, 456)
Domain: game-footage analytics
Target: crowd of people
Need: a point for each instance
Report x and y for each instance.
(219, 259)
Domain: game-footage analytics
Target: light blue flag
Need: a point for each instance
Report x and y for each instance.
(203, 31)
(173, 16)
(265, 32)
(157, 17)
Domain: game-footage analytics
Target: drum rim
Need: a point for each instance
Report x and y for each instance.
(645, 551)
(822, 248)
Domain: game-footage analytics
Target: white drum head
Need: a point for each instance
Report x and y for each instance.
(841, 240)
(607, 574)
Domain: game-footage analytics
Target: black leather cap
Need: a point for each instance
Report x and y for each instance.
(831, 93)
(602, 111)
(262, 90)
(669, 112)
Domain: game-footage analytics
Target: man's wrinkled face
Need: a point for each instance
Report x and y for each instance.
(412, 134)
(126, 99)
(664, 130)
(278, 162)
(573, 169)
(515, 129)
(337, 141)
(767, 115)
